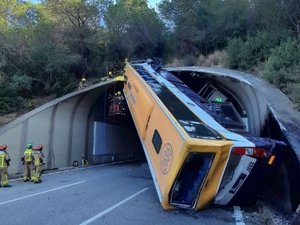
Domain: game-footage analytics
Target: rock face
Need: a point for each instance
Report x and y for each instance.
(270, 113)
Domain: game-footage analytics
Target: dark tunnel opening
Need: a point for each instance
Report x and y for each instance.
(115, 138)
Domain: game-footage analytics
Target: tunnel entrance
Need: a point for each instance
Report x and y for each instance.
(115, 137)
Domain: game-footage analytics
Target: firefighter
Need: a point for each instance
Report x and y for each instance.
(82, 83)
(38, 158)
(4, 164)
(28, 163)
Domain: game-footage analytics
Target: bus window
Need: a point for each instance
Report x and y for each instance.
(156, 141)
(190, 180)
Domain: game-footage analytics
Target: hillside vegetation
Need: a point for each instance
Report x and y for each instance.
(45, 48)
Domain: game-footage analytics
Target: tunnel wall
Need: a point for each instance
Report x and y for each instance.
(61, 125)
(108, 138)
(256, 106)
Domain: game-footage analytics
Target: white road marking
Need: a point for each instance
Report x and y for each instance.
(39, 193)
(79, 168)
(113, 207)
(61, 171)
(238, 215)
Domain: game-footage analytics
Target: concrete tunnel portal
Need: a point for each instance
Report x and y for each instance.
(66, 126)
(78, 124)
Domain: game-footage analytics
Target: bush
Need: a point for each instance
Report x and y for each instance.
(248, 54)
(283, 68)
(235, 50)
(21, 85)
(9, 104)
(63, 85)
(10, 91)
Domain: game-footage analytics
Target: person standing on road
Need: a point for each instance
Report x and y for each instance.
(38, 158)
(4, 164)
(28, 163)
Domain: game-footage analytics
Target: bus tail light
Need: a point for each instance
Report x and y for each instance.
(251, 151)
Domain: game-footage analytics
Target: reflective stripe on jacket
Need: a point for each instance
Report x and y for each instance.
(28, 155)
(38, 160)
(2, 160)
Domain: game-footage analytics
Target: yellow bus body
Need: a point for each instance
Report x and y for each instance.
(150, 115)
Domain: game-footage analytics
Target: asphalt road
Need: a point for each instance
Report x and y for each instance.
(113, 194)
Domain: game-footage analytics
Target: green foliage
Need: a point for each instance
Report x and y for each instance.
(235, 51)
(80, 27)
(249, 54)
(21, 85)
(134, 30)
(283, 66)
(46, 47)
(207, 25)
(9, 101)
(7, 105)
(64, 84)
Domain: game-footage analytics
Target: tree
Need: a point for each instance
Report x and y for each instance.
(134, 30)
(16, 20)
(49, 58)
(206, 26)
(292, 12)
(80, 22)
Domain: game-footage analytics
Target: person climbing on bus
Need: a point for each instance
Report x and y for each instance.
(28, 163)
(4, 164)
(38, 158)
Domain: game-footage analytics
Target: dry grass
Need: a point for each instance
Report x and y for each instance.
(187, 60)
(7, 118)
(217, 58)
(30, 105)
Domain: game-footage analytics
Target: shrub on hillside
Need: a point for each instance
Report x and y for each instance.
(235, 51)
(64, 85)
(250, 53)
(10, 100)
(21, 85)
(283, 68)
(10, 104)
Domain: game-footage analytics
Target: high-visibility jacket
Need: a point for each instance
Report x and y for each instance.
(3, 159)
(28, 156)
(38, 158)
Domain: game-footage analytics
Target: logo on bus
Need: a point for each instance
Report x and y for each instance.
(166, 158)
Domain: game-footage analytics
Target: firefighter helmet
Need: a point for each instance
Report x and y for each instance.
(29, 146)
(3, 147)
(40, 147)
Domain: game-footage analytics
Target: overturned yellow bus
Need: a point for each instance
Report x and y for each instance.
(186, 149)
